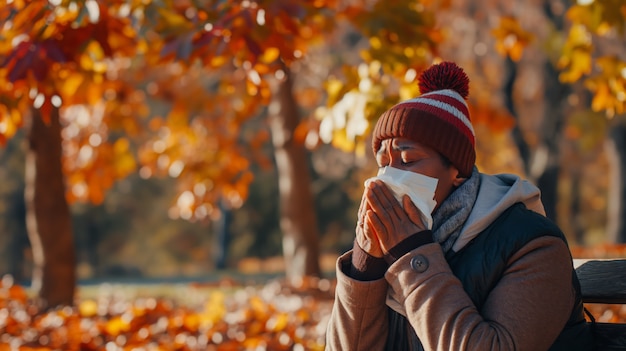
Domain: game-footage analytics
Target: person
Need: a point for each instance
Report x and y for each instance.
(492, 273)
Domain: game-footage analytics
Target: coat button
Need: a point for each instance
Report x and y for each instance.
(419, 263)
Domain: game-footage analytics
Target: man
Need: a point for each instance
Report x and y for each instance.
(491, 274)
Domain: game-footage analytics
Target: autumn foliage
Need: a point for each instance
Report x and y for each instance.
(166, 88)
(220, 317)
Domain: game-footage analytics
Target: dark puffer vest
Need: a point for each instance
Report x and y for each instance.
(481, 263)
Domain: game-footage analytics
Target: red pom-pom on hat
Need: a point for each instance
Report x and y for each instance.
(445, 75)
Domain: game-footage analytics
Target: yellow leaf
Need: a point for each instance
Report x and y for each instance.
(578, 36)
(278, 322)
(270, 55)
(191, 321)
(171, 22)
(251, 88)
(218, 61)
(124, 161)
(341, 141)
(262, 68)
(333, 87)
(605, 99)
(578, 64)
(121, 146)
(88, 308)
(511, 38)
(578, 14)
(375, 42)
(93, 94)
(408, 91)
(70, 84)
(10, 119)
(258, 305)
(86, 62)
(215, 309)
(116, 325)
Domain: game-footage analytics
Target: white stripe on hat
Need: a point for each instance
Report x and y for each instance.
(425, 99)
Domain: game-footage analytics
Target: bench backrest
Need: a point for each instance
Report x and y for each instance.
(604, 282)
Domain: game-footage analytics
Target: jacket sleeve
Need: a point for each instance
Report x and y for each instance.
(358, 319)
(526, 310)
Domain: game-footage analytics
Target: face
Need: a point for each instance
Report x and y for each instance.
(412, 156)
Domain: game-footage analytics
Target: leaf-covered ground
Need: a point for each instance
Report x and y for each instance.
(221, 317)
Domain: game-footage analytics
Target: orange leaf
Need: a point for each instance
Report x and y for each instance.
(511, 39)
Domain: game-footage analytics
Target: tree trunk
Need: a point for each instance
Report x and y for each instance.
(575, 208)
(516, 133)
(48, 220)
(542, 164)
(547, 177)
(548, 183)
(223, 235)
(298, 220)
(616, 146)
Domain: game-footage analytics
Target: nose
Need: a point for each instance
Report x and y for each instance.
(395, 158)
(390, 154)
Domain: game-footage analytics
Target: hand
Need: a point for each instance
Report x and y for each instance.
(365, 236)
(390, 221)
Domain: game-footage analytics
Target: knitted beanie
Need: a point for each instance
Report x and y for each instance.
(439, 118)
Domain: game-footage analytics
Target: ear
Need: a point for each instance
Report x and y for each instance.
(458, 181)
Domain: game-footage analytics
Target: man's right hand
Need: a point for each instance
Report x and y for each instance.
(366, 237)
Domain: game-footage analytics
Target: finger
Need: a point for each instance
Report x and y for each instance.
(388, 195)
(383, 214)
(384, 194)
(414, 213)
(370, 230)
(381, 199)
(363, 204)
(377, 228)
(368, 240)
(362, 208)
(361, 237)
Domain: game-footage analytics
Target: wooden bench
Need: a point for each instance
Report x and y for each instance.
(604, 282)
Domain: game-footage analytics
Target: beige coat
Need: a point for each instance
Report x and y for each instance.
(526, 310)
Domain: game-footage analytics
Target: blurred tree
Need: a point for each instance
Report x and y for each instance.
(54, 56)
(48, 219)
(81, 75)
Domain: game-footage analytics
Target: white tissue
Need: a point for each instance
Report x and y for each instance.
(420, 188)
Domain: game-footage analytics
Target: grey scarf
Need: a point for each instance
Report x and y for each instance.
(449, 218)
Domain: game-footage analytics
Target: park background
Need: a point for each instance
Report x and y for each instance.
(219, 144)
